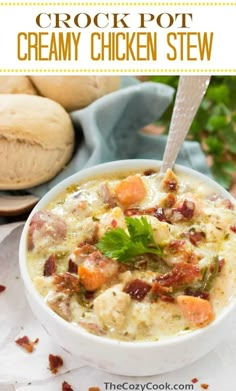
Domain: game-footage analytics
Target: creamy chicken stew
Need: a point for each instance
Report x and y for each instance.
(135, 256)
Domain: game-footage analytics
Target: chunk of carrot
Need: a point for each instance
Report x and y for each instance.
(91, 277)
(198, 312)
(130, 190)
(96, 270)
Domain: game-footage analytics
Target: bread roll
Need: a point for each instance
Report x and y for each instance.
(75, 92)
(36, 140)
(16, 85)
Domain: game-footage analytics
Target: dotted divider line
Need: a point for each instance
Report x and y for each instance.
(11, 70)
(92, 4)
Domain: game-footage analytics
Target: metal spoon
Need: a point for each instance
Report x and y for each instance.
(191, 90)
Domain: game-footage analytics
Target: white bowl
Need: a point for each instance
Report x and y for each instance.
(121, 357)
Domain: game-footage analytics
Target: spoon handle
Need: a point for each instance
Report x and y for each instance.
(191, 90)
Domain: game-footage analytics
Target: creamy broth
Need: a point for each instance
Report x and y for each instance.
(135, 256)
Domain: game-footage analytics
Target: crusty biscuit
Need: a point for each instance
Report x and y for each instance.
(36, 140)
(75, 92)
(16, 85)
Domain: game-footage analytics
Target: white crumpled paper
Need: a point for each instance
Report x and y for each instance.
(22, 371)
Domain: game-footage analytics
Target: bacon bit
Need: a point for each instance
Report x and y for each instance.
(233, 228)
(175, 246)
(157, 212)
(66, 283)
(159, 289)
(227, 204)
(137, 289)
(173, 216)
(194, 380)
(182, 212)
(123, 268)
(114, 223)
(167, 299)
(197, 293)
(182, 273)
(149, 172)
(93, 389)
(50, 266)
(55, 362)
(160, 214)
(140, 212)
(162, 292)
(66, 386)
(132, 212)
(94, 237)
(187, 209)
(149, 211)
(223, 201)
(2, 288)
(72, 267)
(107, 195)
(204, 386)
(84, 248)
(26, 344)
(196, 236)
(89, 295)
(221, 264)
(82, 251)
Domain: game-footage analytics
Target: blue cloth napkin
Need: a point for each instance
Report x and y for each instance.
(110, 129)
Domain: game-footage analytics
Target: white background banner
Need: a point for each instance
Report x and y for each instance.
(117, 37)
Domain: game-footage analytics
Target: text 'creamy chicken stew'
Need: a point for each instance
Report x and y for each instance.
(135, 256)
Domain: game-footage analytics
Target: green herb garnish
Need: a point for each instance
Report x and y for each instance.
(124, 246)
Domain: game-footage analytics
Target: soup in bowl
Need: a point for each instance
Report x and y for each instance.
(132, 270)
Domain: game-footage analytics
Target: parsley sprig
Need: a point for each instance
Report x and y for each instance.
(124, 246)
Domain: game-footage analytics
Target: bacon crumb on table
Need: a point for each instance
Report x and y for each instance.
(204, 386)
(55, 362)
(26, 344)
(194, 380)
(2, 288)
(93, 389)
(66, 386)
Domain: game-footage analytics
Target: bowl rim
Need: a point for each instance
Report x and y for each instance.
(127, 165)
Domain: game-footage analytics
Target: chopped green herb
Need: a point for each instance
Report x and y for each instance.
(124, 246)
